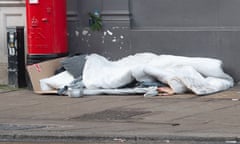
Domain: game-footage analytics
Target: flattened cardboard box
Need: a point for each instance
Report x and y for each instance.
(42, 70)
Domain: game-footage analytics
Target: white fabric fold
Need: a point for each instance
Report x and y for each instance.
(199, 75)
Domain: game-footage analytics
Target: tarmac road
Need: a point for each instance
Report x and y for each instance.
(127, 142)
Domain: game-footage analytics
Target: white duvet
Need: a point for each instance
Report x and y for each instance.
(199, 75)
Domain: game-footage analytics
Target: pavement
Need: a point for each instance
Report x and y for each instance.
(26, 116)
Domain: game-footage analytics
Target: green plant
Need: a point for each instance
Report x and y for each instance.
(6, 88)
(95, 22)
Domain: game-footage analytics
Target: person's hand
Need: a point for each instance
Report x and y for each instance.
(165, 91)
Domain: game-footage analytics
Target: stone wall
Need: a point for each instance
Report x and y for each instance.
(12, 13)
(202, 28)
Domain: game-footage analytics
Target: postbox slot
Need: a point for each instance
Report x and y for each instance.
(33, 1)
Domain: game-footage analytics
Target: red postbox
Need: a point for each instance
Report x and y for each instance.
(46, 29)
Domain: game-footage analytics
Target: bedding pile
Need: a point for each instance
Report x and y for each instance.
(199, 75)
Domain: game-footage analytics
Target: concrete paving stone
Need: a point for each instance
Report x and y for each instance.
(232, 93)
(228, 116)
(181, 115)
(63, 107)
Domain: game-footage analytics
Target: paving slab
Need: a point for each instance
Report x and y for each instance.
(25, 115)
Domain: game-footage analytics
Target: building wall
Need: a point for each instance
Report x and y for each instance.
(112, 41)
(180, 27)
(12, 13)
(189, 27)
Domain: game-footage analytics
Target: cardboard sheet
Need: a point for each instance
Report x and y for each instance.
(43, 70)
